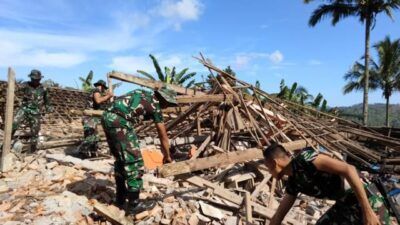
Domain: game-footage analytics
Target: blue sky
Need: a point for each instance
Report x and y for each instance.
(261, 40)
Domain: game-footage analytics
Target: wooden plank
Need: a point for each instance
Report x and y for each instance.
(249, 212)
(237, 200)
(152, 84)
(98, 113)
(221, 160)
(8, 120)
(203, 98)
(111, 216)
(201, 148)
(110, 87)
(261, 186)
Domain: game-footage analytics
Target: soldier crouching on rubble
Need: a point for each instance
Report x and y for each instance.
(35, 97)
(118, 123)
(321, 176)
(99, 100)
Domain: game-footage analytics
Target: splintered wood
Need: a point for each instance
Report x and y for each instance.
(217, 135)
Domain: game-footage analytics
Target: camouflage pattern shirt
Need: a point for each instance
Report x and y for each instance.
(308, 180)
(137, 106)
(34, 98)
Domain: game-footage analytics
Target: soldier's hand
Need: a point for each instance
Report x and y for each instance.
(167, 159)
(110, 94)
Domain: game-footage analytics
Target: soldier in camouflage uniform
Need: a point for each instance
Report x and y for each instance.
(34, 100)
(321, 176)
(99, 100)
(118, 123)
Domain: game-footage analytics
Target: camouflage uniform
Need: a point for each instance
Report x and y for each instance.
(118, 123)
(30, 110)
(308, 180)
(91, 139)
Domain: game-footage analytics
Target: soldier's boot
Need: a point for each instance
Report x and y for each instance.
(121, 192)
(93, 151)
(136, 206)
(33, 147)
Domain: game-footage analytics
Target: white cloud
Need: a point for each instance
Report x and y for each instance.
(126, 29)
(242, 60)
(314, 62)
(276, 57)
(133, 63)
(180, 11)
(17, 54)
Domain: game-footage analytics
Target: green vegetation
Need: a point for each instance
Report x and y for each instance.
(366, 11)
(300, 95)
(385, 73)
(87, 83)
(376, 116)
(170, 76)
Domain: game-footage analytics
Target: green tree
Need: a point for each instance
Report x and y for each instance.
(356, 75)
(170, 76)
(389, 69)
(87, 85)
(366, 11)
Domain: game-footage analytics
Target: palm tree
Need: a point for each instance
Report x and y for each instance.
(389, 68)
(366, 11)
(87, 82)
(169, 76)
(303, 95)
(356, 75)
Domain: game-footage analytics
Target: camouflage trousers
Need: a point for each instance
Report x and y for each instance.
(348, 211)
(32, 119)
(91, 139)
(124, 146)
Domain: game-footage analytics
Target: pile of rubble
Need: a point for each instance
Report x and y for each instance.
(54, 188)
(217, 135)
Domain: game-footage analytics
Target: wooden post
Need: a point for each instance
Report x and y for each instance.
(110, 87)
(249, 212)
(8, 120)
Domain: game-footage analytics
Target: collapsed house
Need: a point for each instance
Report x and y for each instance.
(217, 136)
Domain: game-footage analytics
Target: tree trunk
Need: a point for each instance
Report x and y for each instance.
(387, 112)
(366, 78)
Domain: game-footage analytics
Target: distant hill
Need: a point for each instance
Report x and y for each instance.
(377, 114)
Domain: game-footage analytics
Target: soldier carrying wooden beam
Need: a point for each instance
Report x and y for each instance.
(99, 99)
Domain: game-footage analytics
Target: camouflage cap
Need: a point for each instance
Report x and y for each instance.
(102, 83)
(168, 95)
(35, 74)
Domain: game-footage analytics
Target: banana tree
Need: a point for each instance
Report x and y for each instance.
(170, 76)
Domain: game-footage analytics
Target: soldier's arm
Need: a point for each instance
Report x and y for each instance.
(100, 99)
(286, 203)
(162, 134)
(334, 166)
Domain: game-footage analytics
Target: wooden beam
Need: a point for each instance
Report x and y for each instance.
(110, 87)
(249, 212)
(8, 120)
(203, 98)
(152, 83)
(221, 160)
